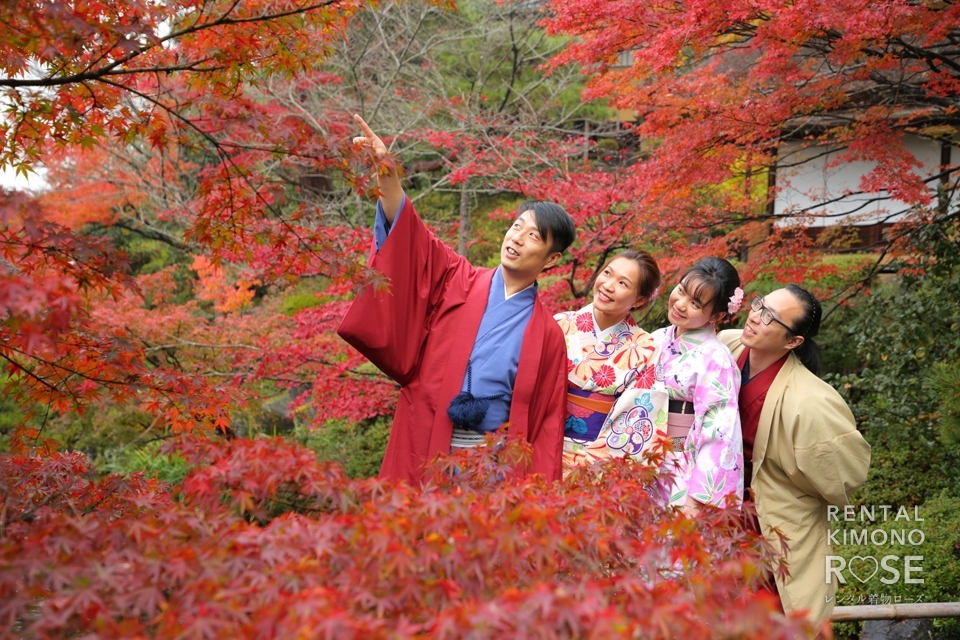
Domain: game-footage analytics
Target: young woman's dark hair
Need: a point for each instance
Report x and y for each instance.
(714, 281)
(807, 326)
(554, 223)
(649, 273)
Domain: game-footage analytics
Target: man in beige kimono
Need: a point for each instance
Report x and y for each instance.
(802, 450)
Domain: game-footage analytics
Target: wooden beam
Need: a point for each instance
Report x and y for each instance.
(897, 611)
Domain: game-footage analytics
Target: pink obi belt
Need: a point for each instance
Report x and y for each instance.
(679, 419)
(586, 413)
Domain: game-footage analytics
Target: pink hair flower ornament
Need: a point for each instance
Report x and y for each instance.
(735, 301)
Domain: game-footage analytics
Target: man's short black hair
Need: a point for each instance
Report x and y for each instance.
(554, 223)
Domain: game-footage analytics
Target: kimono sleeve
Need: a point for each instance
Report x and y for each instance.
(717, 468)
(830, 453)
(389, 326)
(548, 444)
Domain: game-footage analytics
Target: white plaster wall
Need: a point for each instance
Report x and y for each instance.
(818, 191)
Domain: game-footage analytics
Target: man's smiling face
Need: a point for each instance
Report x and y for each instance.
(525, 251)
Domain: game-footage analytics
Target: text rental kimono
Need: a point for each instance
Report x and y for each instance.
(421, 331)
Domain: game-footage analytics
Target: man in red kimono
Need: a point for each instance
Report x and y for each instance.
(454, 336)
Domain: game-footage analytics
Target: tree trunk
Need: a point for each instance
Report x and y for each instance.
(464, 219)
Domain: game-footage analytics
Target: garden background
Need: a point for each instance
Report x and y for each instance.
(185, 438)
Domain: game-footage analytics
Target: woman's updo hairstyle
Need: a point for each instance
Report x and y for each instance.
(714, 277)
(649, 283)
(807, 326)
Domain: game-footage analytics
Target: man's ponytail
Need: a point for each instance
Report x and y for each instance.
(807, 326)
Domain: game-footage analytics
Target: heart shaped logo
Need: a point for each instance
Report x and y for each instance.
(865, 562)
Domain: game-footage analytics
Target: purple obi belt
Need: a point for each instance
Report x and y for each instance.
(586, 413)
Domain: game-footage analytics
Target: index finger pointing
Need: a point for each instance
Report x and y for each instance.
(367, 131)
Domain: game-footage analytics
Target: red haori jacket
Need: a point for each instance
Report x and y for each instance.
(420, 332)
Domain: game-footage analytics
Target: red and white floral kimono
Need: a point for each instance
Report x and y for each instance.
(600, 365)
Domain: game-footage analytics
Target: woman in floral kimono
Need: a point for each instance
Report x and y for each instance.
(703, 383)
(605, 347)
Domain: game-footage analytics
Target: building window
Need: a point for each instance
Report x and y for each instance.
(625, 59)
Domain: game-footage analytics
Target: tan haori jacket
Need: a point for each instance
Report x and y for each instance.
(807, 454)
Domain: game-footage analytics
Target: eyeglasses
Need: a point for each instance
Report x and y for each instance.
(766, 316)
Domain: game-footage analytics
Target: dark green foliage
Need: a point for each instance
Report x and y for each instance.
(148, 255)
(897, 335)
(150, 460)
(837, 356)
(895, 356)
(10, 414)
(357, 447)
(99, 431)
(944, 380)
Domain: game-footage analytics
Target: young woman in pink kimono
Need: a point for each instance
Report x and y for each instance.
(703, 383)
(605, 348)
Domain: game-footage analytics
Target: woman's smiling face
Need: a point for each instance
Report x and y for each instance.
(686, 310)
(615, 291)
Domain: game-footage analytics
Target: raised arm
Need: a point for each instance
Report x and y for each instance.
(391, 326)
(391, 193)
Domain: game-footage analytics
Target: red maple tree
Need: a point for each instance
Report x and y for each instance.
(728, 98)
(261, 541)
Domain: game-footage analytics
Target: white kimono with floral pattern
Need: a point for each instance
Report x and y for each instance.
(597, 373)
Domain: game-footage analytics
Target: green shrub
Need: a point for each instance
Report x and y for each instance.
(10, 413)
(306, 294)
(931, 537)
(944, 381)
(169, 468)
(894, 339)
(894, 356)
(298, 301)
(358, 447)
